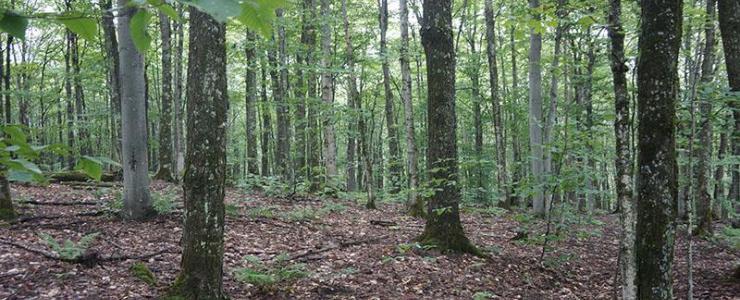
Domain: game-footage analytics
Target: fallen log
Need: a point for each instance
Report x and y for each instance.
(383, 223)
(43, 217)
(89, 259)
(57, 203)
(80, 176)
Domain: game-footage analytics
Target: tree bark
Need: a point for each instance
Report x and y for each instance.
(729, 22)
(178, 137)
(110, 42)
(327, 96)
(395, 166)
(282, 152)
(552, 109)
(136, 199)
(352, 98)
(660, 39)
(535, 114)
(266, 125)
(623, 161)
(443, 228)
(704, 155)
(7, 212)
(202, 272)
(165, 118)
(251, 104)
(414, 204)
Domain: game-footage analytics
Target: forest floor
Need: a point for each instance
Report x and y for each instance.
(340, 249)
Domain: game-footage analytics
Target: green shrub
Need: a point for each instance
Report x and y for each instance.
(482, 295)
(332, 207)
(141, 271)
(268, 276)
(232, 210)
(69, 250)
(267, 212)
(163, 202)
(302, 214)
(731, 236)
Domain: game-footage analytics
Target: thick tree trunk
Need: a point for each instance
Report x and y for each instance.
(327, 96)
(251, 104)
(178, 100)
(443, 228)
(201, 275)
(136, 199)
(282, 152)
(729, 22)
(660, 39)
(703, 168)
(623, 161)
(165, 117)
(414, 203)
(395, 166)
(114, 87)
(535, 114)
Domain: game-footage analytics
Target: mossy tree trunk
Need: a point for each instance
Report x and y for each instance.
(657, 187)
(443, 228)
(205, 162)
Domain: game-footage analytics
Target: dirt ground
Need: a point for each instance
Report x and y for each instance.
(349, 252)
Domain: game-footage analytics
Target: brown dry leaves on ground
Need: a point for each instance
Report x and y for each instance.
(350, 253)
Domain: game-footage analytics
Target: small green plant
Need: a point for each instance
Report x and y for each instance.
(302, 214)
(523, 218)
(163, 202)
(332, 207)
(116, 205)
(267, 212)
(101, 192)
(482, 295)
(267, 276)
(409, 247)
(557, 261)
(731, 236)
(232, 210)
(141, 271)
(69, 250)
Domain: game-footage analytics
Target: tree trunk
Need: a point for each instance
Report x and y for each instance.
(165, 116)
(327, 96)
(202, 272)
(352, 98)
(729, 22)
(623, 162)
(394, 164)
(552, 109)
(660, 39)
(282, 152)
(414, 203)
(114, 87)
(251, 104)
(719, 176)
(136, 200)
(178, 103)
(68, 93)
(535, 114)
(79, 94)
(308, 16)
(7, 212)
(266, 125)
(8, 50)
(704, 155)
(443, 228)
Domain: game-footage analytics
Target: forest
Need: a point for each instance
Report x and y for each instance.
(356, 149)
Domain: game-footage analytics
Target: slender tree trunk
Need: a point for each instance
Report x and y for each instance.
(719, 176)
(352, 99)
(202, 271)
(266, 125)
(178, 100)
(165, 117)
(114, 87)
(307, 29)
(395, 166)
(473, 72)
(414, 203)
(79, 94)
(327, 96)
(136, 199)
(7, 212)
(8, 51)
(703, 168)
(535, 114)
(498, 115)
(68, 93)
(729, 21)
(443, 228)
(623, 161)
(313, 136)
(552, 109)
(251, 104)
(660, 40)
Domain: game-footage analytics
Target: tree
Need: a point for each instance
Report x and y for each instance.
(414, 204)
(353, 96)
(201, 275)
(136, 199)
(703, 167)
(657, 78)
(110, 42)
(251, 104)
(165, 124)
(394, 164)
(729, 21)
(623, 161)
(443, 228)
(280, 87)
(498, 116)
(327, 96)
(535, 112)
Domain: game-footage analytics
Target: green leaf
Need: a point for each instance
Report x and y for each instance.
(85, 27)
(259, 14)
(13, 23)
(139, 34)
(221, 10)
(586, 21)
(165, 9)
(90, 166)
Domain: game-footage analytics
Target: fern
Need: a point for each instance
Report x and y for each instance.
(69, 250)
